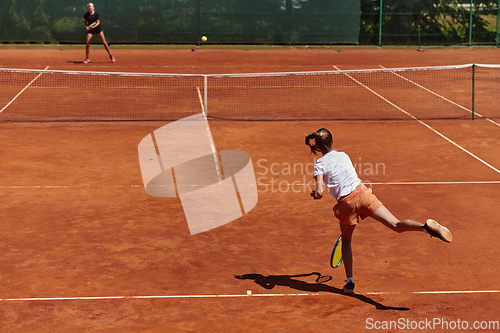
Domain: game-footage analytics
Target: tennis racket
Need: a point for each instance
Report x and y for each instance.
(92, 25)
(336, 258)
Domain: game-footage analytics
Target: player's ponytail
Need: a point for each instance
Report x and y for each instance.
(323, 139)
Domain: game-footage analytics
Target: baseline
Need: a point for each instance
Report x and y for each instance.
(248, 294)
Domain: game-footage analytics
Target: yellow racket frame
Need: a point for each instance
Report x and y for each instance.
(336, 258)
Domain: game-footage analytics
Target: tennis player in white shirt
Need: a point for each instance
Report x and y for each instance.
(355, 201)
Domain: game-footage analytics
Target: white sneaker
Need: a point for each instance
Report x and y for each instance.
(437, 230)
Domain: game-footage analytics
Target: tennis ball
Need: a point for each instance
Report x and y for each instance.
(204, 38)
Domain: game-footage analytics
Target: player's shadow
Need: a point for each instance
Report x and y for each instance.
(269, 282)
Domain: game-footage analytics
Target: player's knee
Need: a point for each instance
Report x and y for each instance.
(399, 228)
(392, 224)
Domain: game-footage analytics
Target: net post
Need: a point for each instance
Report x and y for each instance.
(205, 98)
(473, 85)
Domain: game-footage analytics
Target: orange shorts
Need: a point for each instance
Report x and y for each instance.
(356, 206)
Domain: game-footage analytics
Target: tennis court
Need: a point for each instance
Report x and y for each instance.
(85, 248)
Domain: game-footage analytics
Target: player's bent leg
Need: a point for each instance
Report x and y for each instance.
(383, 215)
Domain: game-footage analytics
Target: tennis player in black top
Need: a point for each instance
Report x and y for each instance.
(93, 26)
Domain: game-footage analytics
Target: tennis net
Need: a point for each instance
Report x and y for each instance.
(447, 92)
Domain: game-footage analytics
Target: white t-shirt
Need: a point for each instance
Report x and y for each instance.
(338, 173)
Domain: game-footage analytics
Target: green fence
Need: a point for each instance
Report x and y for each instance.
(185, 21)
(366, 22)
(441, 22)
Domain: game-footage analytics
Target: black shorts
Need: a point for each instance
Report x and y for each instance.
(96, 30)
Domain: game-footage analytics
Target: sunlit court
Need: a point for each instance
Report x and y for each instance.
(106, 223)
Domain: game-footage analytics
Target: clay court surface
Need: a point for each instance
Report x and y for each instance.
(85, 248)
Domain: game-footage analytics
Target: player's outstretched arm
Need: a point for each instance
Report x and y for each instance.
(320, 185)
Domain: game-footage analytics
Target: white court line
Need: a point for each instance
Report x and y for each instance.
(248, 294)
(212, 144)
(450, 292)
(404, 183)
(201, 101)
(407, 183)
(29, 84)
(64, 186)
(421, 122)
(268, 184)
(442, 97)
(436, 183)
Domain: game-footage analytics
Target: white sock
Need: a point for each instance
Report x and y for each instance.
(350, 279)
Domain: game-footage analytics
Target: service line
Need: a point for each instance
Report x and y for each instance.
(29, 84)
